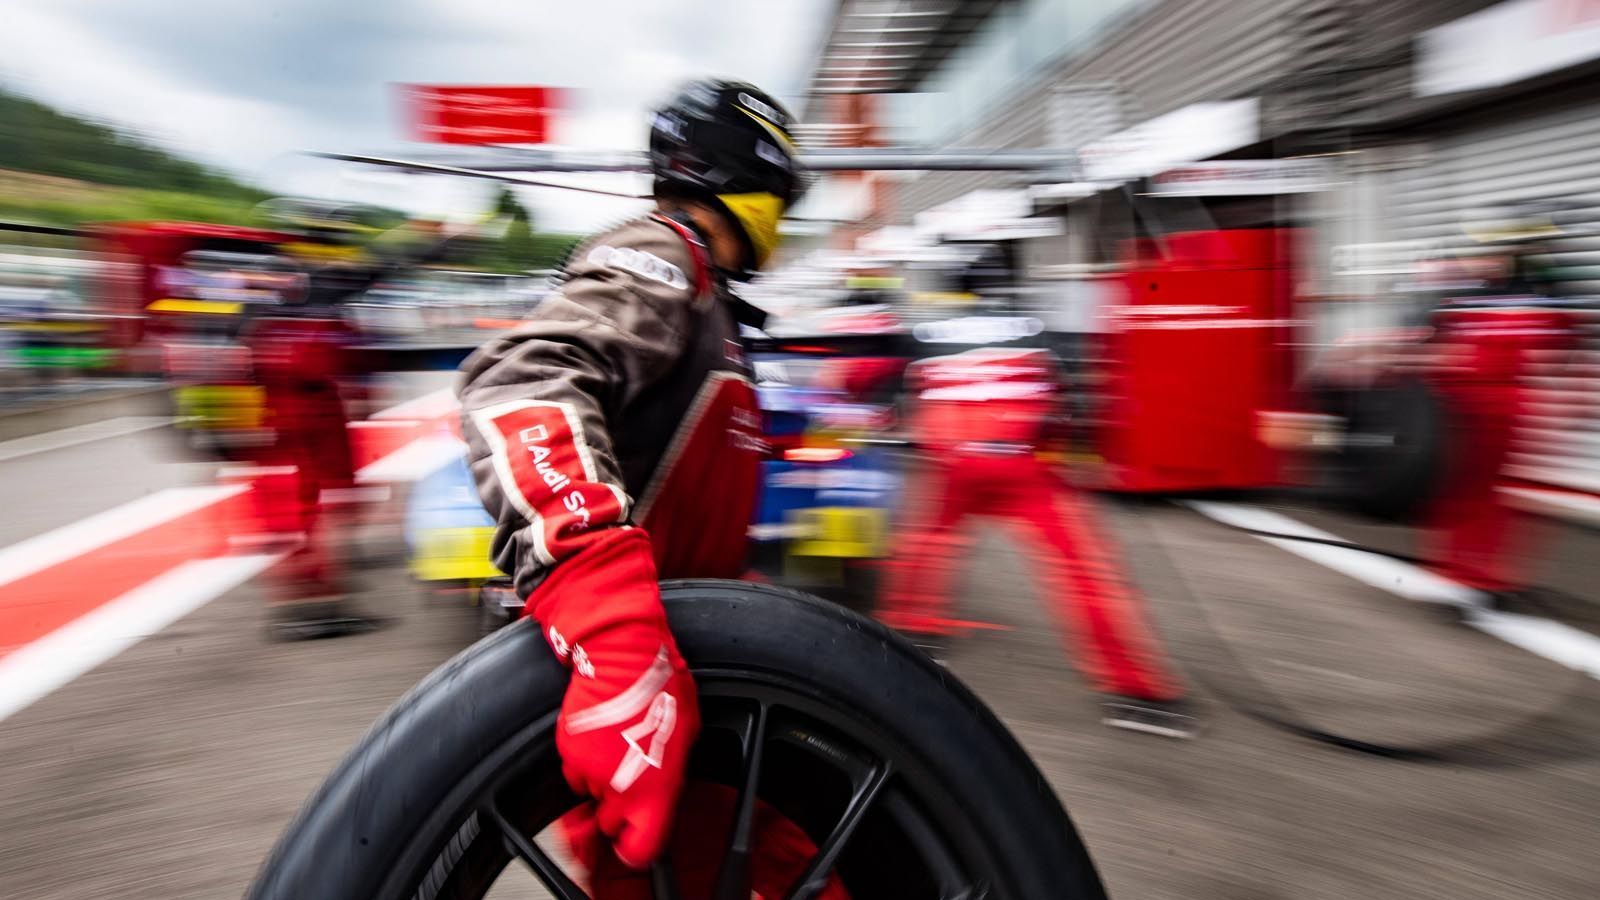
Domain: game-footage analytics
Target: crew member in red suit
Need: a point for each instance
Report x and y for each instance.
(980, 417)
(299, 353)
(1486, 349)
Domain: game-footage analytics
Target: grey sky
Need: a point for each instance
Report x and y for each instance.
(244, 84)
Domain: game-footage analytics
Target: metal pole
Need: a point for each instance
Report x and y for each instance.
(838, 159)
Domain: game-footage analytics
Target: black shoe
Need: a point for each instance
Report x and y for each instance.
(1463, 612)
(1524, 601)
(306, 620)
(1165, 718)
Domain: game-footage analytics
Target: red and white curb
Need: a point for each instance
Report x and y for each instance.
(74, 597)
(33, 670)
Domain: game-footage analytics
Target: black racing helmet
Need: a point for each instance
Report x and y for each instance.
(728, 143)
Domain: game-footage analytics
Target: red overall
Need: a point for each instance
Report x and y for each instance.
(299, 363)
(980, 416)
(1480, 369)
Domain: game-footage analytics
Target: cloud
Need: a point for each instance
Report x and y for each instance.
(244, 85)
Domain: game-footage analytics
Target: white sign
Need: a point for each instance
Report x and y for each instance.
(978, 330)
(1389, 258)
(1197, 131)
(1009, 230)
(891, 240)
(1065, 191)
(835, 199)
(985, 215)
(1506, 43)
(1241, 177)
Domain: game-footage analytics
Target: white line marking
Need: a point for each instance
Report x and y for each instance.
(409, 463)
(1392, 575)
(429, 406)
(1571, 647)
(1556, 504)
(32, 671)
(1573, 476)
(62, 438)
(52, 548)
(414, 461)
(1561, 644)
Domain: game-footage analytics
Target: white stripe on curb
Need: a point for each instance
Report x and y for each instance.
(52, 548)
(411, 462)
(431, 405)
(415, 461)
(34, 670)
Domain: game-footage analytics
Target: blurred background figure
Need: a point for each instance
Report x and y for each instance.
(299, 357)
(980, 419)
(300, 350)
(1499, 331)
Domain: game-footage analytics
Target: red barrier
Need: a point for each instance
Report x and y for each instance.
(1198, 349)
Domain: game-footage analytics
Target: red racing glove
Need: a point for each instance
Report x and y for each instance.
(629, 716)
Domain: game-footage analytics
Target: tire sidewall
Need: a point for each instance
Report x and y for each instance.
(379, 822)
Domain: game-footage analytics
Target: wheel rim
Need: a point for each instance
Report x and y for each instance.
(879, 823)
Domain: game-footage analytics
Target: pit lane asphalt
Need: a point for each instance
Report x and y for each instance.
(168, 771)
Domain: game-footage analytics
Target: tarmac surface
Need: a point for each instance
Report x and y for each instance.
(168, 771)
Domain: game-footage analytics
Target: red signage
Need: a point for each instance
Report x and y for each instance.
(459, 114)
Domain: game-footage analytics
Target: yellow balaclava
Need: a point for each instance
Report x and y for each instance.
(759, 213)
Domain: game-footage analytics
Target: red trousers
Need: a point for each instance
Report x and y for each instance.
(310, 454)
(1485, 364)
(1077, 566)
(1474, 530)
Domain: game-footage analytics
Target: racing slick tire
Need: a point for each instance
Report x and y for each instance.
(947, 804)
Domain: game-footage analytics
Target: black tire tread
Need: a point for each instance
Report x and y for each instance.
(348, 840)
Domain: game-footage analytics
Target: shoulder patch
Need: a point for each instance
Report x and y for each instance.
(641, 263)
